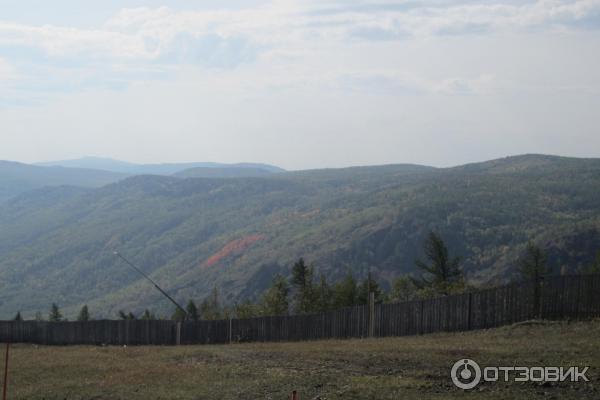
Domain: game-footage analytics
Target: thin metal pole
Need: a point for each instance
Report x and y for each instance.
(5, 372)
(154, 283)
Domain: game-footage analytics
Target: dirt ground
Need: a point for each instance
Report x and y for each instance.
(392, 368)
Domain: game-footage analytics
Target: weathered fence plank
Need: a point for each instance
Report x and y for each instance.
(559, 297)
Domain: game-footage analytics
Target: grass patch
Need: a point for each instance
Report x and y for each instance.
(391, 368)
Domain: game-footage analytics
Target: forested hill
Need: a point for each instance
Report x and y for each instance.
(56, 244)
(17, 178)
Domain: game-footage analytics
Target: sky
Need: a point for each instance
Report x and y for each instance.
(300, 84)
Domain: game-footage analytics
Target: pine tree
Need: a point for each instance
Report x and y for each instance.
(403, 289)
(532, 264)
(148, 316)
(55, 314)
(345, 292)
(275, 299)
(179, 315)
(323, 295)
(84, 314)
(593, 268)
(192, 311)
(210, 308)
(129, 315)
(226, 312)
(443, 274)
(369, 285)
(18, 317)
(302, 280)
(247, 309)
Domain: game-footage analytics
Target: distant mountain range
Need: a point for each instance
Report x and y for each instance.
(108, 164)
(190, 235)
(17, 178)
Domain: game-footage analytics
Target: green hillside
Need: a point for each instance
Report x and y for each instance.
(56, 244)
(223, 172)
(17, 178)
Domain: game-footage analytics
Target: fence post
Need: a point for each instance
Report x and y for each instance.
(371, 314)
(421, 330)
(541, 297)
(578, 297)
(5, 386)
(469, 308)
(178, 333)
(230, 333)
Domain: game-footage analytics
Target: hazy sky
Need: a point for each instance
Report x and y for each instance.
(300, 84)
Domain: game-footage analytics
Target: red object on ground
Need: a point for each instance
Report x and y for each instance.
(234, 247)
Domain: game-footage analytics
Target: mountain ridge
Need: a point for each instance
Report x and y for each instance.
(17, 178)
(235, 233)
(109, 164)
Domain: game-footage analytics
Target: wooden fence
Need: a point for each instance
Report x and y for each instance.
(560, 297)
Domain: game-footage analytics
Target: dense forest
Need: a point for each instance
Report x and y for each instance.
(193, 235)
(439, 274)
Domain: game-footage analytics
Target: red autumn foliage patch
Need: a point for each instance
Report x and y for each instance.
(234, 247)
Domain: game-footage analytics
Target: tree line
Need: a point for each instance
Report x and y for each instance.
(440, 274)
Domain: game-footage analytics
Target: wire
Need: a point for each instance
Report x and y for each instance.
(154, 283)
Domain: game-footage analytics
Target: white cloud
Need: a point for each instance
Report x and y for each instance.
(399, 83)
(150, 34)
(345, 81)
(282, 44)
(483, 84)
(7, 71)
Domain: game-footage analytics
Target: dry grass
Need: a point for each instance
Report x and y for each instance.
(393, 368)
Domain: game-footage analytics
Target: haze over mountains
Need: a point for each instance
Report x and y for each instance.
(108, 164)
(192, 232)
(16, 178)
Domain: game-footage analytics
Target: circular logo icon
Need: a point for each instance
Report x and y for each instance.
(465, 374)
